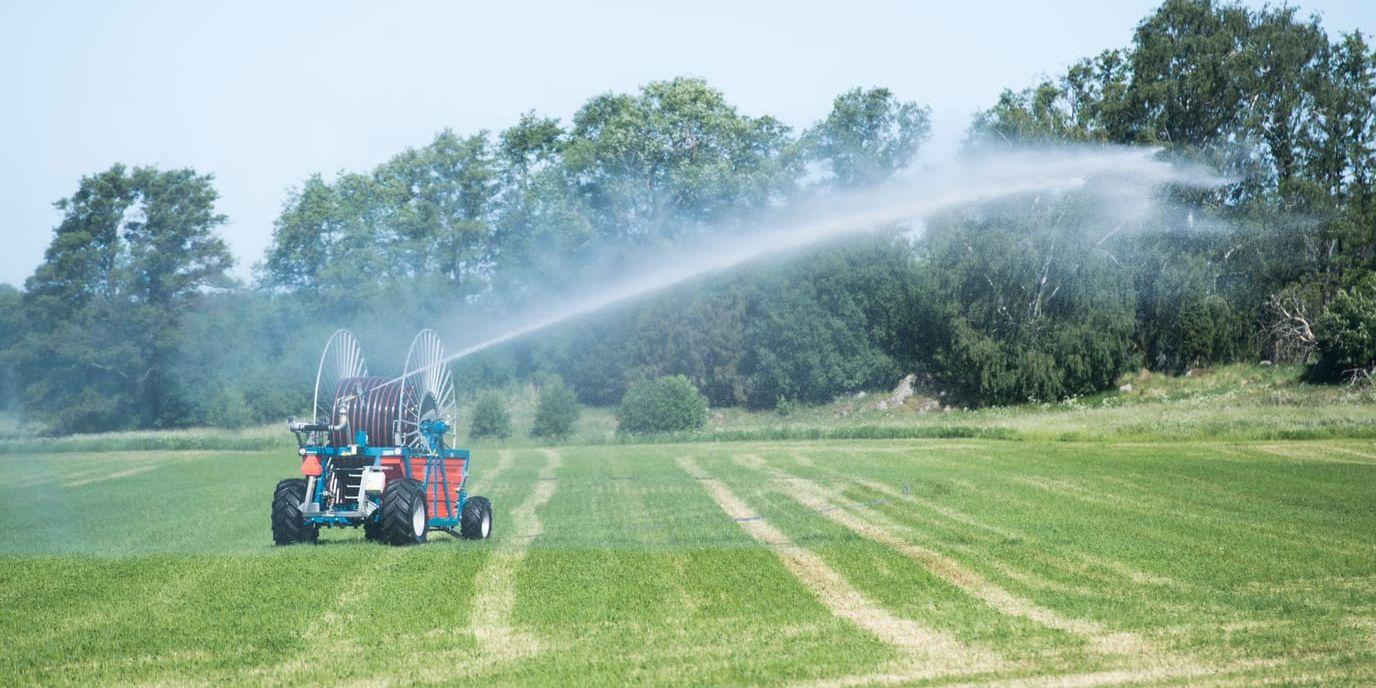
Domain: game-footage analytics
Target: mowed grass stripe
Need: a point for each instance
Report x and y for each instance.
(156, 631)
(876, 527)
(1155, 675)
(1194, 480)
(890, 578)
(99, 612)
(639, 580)
(1086, 568)
(1244, 484)
(938, 653)
(1039, 562)
(1096, 532)
(1043, 562)
(482, 478)
(491, 623)
(1164, 535)
(978, 525)
(1205, 563)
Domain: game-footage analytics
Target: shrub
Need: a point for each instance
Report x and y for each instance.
(665, 405)
(490, 418)
(557, 411)
(228, 409)
(1346, 334)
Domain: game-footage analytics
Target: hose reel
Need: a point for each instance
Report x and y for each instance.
(392, 412)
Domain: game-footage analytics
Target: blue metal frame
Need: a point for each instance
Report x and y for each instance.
(432, 477)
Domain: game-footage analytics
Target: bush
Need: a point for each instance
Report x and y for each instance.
(668, 404)
(557, 411)
(1346, 334)
(490, 418)
(228, 409)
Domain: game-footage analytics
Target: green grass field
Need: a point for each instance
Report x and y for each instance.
(837, 563)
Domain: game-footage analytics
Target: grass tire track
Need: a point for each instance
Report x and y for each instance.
(926, 652)
(495, 585)
(1119, 569)
(879, 528)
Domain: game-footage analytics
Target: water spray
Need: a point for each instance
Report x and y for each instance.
(1134, 173)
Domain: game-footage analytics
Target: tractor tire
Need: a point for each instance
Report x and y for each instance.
(404, 519)
(289, 526)
(372, 528)
(476, 521)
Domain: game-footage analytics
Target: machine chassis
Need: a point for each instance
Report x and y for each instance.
(433, 477)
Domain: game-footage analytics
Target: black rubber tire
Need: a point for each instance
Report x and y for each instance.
(475, 510)
(372, 528)
(400, 499)
(289, 526)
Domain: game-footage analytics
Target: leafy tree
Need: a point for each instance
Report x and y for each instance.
(868, 136)
(11, 329)
(490, 418)
(699, 332)
(593, 356)
(423, 218)
(255, 347)
(557, 412)
(1263, 95)
(675, 156)
(1346, 334)
(438, 202)
(305, 239)
(818, 328)
(1187, 73)
(135, 250)
(543, 232)
(1087, 104)
(228, 409)
(1030, 309)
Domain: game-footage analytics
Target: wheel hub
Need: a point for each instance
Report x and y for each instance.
(418, 520)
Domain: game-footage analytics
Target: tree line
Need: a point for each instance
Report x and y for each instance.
(130, 321)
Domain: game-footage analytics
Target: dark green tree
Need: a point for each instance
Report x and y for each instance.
(490, 418)
(543, 232)
(673, 157)
(1346, 335)
(424, 219)
(135, 250)
(556, 413)
(11, 330)
(1029, 308)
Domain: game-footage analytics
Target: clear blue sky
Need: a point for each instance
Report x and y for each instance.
(263, 94)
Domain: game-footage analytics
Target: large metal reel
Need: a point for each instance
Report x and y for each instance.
(370, 404)
(342, 359)
(427, 390)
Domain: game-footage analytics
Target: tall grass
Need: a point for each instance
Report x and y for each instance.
(272, 436)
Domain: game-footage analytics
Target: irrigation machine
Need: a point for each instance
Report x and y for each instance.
(374, 454)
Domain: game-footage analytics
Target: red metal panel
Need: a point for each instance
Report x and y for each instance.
(391, 466)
